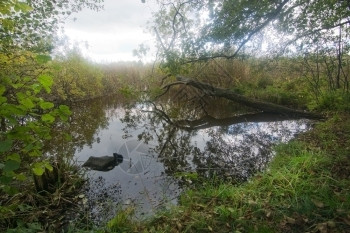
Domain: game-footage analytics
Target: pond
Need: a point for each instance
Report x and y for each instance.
(166, 147)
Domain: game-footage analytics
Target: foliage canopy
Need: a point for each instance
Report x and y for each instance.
(192, 30)
(26, 115)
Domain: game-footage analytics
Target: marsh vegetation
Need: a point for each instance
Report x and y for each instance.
(226, 164)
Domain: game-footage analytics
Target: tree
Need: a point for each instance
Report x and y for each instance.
(76, 78)
(192, 30)
(31, 24)
(315, 33)
(25, 118)
(26, 28)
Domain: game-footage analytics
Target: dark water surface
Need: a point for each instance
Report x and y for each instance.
(165, 148)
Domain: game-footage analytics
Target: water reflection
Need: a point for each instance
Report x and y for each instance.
(161, 142)
(234, 147)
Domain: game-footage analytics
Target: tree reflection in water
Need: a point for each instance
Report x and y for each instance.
(206, 138)
(233, 147)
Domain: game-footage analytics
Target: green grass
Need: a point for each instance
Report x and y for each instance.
(305, 189)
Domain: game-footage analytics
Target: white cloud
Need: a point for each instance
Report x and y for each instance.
(112, 34)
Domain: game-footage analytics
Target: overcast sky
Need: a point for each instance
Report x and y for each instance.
(113, 33)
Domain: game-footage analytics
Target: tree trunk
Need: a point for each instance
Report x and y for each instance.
(48, 181)
(253, 103)
(3, 124)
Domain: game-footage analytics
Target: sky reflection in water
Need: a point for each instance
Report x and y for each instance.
(156, 154)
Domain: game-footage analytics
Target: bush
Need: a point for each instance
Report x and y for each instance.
(332, 101)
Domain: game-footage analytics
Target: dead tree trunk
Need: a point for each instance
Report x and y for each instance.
(49, 181)
(253, 103)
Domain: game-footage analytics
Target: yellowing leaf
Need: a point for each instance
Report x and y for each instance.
(322, 227)
(331, 224)
(317, 203)
(251, 202)
(179, 226)
(290, 220)
(268, 213)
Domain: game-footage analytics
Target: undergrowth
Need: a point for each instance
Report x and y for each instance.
(33, 211)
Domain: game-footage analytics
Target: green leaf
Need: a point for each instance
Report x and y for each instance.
(10, 190)
(21, 177)
(35, 153)
(40, 167)
(46, 105)
(28, 147)
(46, 81)
(14, 157)
(17, 85)
(48, 167)
(38, 170)
(5, 9)
(2, 89)
(64, 109)
(5, 180)
(11, 165)
(64, 112)
(3, 99)
(36, 87)
(8, 24)
(5, 145)
(27, 103)
(48, 118)
(42, 59)
(68, 137)
(21, 96)
(21, 6)
(10, 110)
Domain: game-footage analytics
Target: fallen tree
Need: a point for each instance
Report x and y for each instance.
(266, 107)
